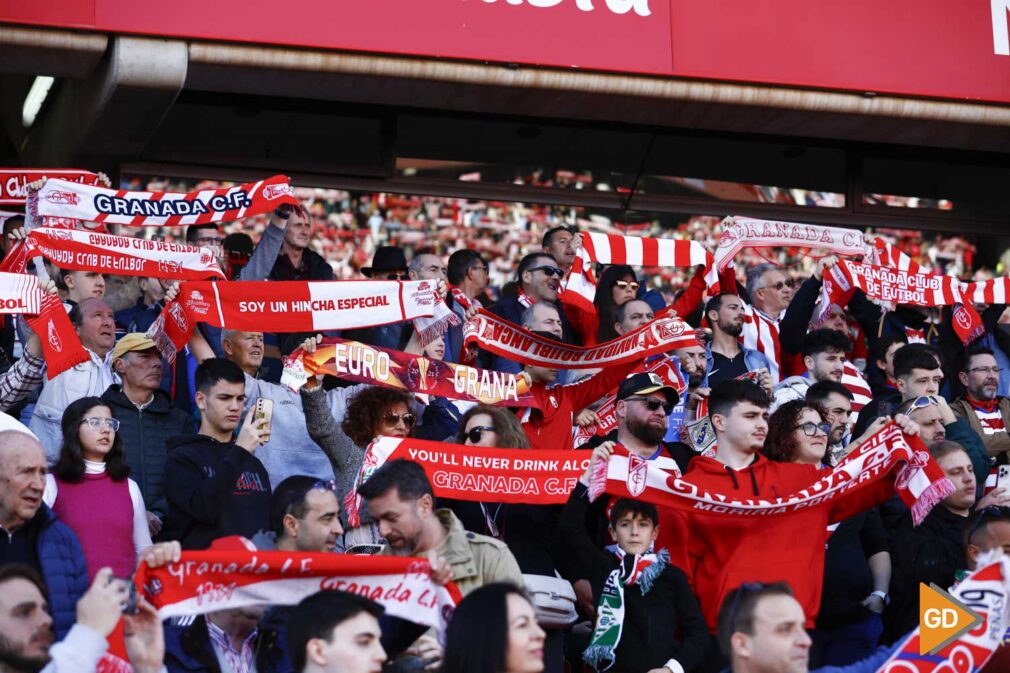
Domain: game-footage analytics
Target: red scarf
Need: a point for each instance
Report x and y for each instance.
(889, 286)
(989, 406)
(292, 306)
(208, 581)
(61, 347)
(361, 363)
(14, 181)
(464, 301)
(917, 479)
(80, 250)
(499, 336)
(524, 299)
(475, 473)
(59, 198)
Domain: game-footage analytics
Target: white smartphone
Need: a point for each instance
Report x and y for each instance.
(264, 409)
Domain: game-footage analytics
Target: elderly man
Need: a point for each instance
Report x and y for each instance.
(147, 419)
(31, 533)
(96, 327)
(296, 261)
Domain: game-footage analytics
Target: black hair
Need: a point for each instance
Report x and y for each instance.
(407, 477)
(884, 343)
(316, 617)
(529, 261)
(477, 635)
(981, 520)
(715, 303)
(604, 300)
(193, 231)
(736, 614)
(289, 498)
(825, 341)
(626, 506)
(977, 349)
(727, 394)
(549, 234)
(13, 571)
(818, 392)
(914, 356)
(214, 370)
(69, 466)
(459, 263)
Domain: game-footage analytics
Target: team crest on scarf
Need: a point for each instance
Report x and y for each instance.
(638, 470)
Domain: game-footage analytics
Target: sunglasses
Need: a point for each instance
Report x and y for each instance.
(97, 422)
(395, 419)
(921, 402)
(778, 286)
(745, 588)
(625, 284)
(652, 404)
(474, 434)
(810, 429)
(548, 270)
(397, 276)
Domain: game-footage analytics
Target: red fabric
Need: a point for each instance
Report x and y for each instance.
(550, 427)
(61, 347)
(688, 301)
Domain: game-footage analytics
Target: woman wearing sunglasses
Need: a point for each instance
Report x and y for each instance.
(528, 530)
(373, 411)
(618, 285)
(90, 491)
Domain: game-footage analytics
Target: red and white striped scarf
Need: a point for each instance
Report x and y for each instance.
(629, 250)
(80, 250)
(14, 181)
(208, 581)
(20, 293)
(297, 306)
(761, 333)
(988, 292)
(464, 301)
(524, 299)
(855, 382)
(917, 479)
(59, 198)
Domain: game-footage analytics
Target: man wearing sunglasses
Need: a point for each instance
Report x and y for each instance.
(985, 411)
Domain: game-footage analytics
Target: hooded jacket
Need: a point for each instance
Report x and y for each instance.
(145, 434)
(727, 551)
(213, 489)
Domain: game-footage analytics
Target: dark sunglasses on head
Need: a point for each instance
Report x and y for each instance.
(393, 419)
(652, 404)
(548, 270)
(810, 429)
(984, 516)
(474, 434)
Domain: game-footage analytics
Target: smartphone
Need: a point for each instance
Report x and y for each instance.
(364, 549)
(1003, 477)
(130, 607)
(264, 409)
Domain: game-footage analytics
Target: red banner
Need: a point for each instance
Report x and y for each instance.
(361, 363)
(14, 181)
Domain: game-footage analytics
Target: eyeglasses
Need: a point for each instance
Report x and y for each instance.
(397, 276)
(98, 422)
(481, 267)
(986, 370)
(395, 419)
(984, 516)
(548, 270)
(810, 429)
(474, 434)
(625, 284)
(779, 285)
(652, 404)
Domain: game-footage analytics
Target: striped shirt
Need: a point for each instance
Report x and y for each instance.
(761, 333)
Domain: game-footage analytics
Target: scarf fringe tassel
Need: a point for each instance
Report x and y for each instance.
(931, 497)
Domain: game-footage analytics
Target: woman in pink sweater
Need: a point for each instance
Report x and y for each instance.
(90, 491)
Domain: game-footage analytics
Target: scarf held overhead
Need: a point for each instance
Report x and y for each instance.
(512, 342)
(60, 198)
(80, 250)
(292, 306)
(918, 480)
(361, 363)
(61, 347)
(208, 581)
(14, 181)
(476, 473)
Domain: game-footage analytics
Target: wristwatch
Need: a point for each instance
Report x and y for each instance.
(882, 595)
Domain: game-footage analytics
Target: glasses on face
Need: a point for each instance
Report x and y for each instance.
(810, 429)
(396, 419)
(481, 267)
(653, 405)
(986, 370)
(474, 434)
(99, 422)
(397, 276)
(779, 285)
(548, 270)
(625, 284)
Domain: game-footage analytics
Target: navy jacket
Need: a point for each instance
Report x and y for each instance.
(188, 650)
(61, 561)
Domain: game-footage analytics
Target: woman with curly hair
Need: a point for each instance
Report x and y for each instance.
(373, 411)
(90, 491)
(798, 433)
(618, 285)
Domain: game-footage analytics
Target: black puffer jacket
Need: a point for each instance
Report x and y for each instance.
(145, 434)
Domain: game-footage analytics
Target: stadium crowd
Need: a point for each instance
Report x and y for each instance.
(132, 459)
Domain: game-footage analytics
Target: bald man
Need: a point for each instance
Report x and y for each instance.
(32, 534)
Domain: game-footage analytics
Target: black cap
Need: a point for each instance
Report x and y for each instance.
(646, 383)
(387, 258)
